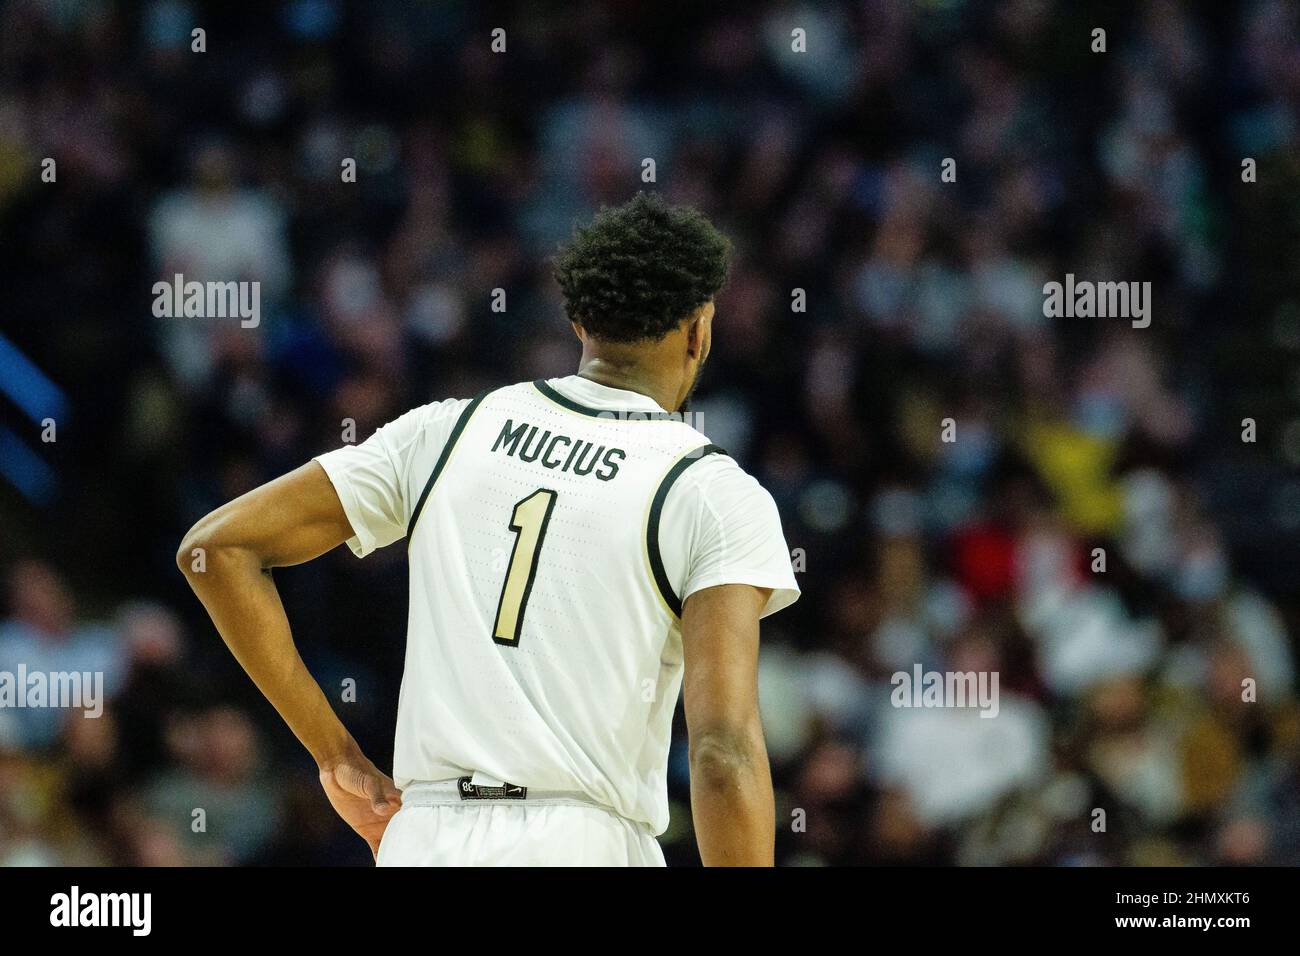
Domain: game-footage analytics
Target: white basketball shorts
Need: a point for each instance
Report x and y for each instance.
(435, 827)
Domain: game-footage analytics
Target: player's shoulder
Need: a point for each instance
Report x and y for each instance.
(433, 413)
(428, 423)
(717, 480)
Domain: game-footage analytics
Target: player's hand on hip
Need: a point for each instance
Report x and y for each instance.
(365, 797)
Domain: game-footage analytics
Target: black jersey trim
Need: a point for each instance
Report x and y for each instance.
(456, 430)
(620, 414)
(657, 569)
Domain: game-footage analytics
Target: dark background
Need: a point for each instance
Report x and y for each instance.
(1119, 690)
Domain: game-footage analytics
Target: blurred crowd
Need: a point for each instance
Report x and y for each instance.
(1103, 533)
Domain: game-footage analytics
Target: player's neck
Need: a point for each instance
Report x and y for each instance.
(631, 376)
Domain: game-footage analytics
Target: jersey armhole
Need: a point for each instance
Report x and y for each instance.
(461, 421)
(654, 556)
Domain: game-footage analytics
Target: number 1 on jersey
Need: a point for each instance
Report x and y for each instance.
(528, 522)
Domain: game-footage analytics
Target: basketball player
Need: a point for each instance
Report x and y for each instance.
(578, 555)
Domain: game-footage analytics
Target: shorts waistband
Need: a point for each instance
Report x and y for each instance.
(461, 792)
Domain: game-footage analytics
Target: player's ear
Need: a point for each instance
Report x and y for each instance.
(694, 336)
(697, 331)
(577, 330)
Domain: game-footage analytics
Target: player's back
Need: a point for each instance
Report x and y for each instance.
(541, 649)
(554, 530)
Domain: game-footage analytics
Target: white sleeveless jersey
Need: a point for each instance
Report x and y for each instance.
(553, 529)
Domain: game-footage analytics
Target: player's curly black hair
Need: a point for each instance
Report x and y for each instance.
(639, 269)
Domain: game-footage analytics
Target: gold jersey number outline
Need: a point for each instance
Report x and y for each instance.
(528, 521)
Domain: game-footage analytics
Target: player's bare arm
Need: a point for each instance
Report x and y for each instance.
(227, 557)
(731, 783)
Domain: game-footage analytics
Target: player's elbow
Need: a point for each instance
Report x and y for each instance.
(202, 544)
(192, 554)
(724, 758)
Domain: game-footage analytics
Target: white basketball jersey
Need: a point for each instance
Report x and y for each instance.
(553, 531)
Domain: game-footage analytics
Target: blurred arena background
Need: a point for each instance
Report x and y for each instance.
(1119, 690)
